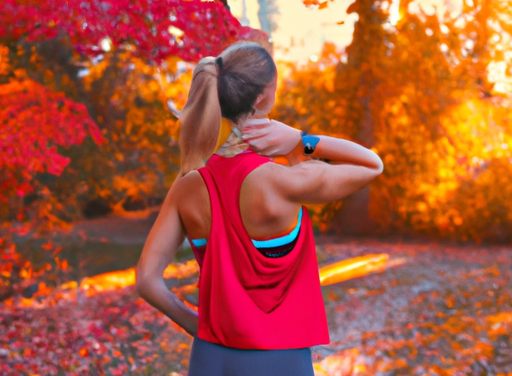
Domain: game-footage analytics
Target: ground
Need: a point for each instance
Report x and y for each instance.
(437, 309)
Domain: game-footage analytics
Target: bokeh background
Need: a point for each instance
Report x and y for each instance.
(88, 151)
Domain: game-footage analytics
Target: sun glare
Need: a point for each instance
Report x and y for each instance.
(106, 45)
(497, 74)
(394, 12)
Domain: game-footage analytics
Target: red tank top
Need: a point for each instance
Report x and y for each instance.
(248, 300)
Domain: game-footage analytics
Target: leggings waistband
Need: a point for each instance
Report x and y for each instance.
(209, 359)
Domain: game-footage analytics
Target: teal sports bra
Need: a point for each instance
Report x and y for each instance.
(274, 247)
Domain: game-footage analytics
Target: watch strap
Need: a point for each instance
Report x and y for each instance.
(309, 142)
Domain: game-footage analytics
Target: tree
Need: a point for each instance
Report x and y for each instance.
(35, 121)
(437, 129)
(419, 92)
(155, 29)
(77, 75)
(57, 43)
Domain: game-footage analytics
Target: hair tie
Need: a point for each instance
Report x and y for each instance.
(219, 63)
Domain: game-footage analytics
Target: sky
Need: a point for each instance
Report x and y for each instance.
(302, 31)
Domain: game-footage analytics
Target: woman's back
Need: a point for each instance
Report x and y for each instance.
(254, 297)
(264, 211)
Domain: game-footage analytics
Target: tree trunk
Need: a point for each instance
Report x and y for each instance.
(353, 217)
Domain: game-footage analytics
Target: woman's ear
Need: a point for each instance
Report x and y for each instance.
(259, 98)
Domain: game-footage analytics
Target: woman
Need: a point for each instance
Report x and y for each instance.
(260, 303)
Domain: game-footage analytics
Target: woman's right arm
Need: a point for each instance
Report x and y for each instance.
(164, 240)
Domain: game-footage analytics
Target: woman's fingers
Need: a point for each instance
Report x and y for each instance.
(255, 132)
(271, 139)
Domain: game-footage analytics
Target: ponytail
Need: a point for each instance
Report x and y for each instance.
(201, 118)
(226, 86)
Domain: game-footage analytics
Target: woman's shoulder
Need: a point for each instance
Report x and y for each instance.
(190, 195)
(272, 173)
(298, 183)
(187, 184)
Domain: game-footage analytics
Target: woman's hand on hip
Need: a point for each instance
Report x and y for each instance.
(272, 138)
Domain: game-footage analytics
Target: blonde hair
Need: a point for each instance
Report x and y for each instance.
(200, 118)
(226, 86)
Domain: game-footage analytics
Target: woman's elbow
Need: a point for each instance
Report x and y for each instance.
(379, 169)
(373, 172)
(141, 283)
(377, 165)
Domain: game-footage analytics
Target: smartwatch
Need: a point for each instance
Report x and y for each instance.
(309, 142)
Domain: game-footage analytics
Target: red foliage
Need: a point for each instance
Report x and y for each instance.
(156, 29)
(35, 121)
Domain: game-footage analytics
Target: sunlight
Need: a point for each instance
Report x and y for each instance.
(394, 12)
(178, 33)
(123, 278)
(106, 44)
(105, 282)
(353, 268)
(498, 75)
(109, 281)
(120, 279)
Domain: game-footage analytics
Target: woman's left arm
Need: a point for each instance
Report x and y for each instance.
(162, 244)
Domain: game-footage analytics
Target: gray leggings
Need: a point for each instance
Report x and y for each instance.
(209, 359)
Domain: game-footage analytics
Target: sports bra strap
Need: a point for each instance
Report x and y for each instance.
(267, 243)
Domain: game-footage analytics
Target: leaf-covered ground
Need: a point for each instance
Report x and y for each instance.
(445, 311)
(440, 310)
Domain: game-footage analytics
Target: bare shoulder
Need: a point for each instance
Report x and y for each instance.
(273, 172)
(268, 175)
(187, 185)
(315, 181)
(287, 179)
(190, 196)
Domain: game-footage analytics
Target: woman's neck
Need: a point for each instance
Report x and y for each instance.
(234, 144)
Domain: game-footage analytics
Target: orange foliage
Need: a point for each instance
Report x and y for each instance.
(141, 152)
(5, 65)
(420, 94)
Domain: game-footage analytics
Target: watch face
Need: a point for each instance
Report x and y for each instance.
(309, 142)
(308, 149)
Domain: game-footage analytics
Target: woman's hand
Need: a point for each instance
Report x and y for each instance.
(271, 138)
